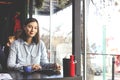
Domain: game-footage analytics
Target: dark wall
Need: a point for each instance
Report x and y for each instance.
(7, 22)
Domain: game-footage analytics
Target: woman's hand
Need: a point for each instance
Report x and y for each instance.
(36, 67)
(56, 66)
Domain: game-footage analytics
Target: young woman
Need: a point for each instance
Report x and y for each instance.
(28, 49)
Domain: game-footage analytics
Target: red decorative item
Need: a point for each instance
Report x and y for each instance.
(72, 66)
(17, 25)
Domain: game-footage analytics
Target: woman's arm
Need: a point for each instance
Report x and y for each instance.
(13, 57)
(44, 59)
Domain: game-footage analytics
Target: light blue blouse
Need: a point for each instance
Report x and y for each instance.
(22, 54)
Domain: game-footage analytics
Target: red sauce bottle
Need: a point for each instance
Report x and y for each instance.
(72, 66)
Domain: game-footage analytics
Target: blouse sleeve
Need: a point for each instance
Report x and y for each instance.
(44, 57)
(12, 57)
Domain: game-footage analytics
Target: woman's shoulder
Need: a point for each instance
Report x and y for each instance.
(18, 41)
(41, 43)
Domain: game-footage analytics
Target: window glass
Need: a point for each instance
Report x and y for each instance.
(55, 19)
(102, 22)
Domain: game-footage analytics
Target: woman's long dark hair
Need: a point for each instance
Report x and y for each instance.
(23, 35)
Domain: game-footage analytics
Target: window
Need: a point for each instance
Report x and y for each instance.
(102, 36)
(55, 19)
(61, 28)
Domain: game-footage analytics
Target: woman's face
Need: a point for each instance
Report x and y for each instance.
(31, 29)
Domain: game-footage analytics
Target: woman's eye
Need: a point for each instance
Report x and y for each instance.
(35, 28)
(29, 26)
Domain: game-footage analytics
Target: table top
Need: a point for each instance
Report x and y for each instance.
(35, 75)
(41, 75)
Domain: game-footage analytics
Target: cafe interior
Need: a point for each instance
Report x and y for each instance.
(63, 28)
